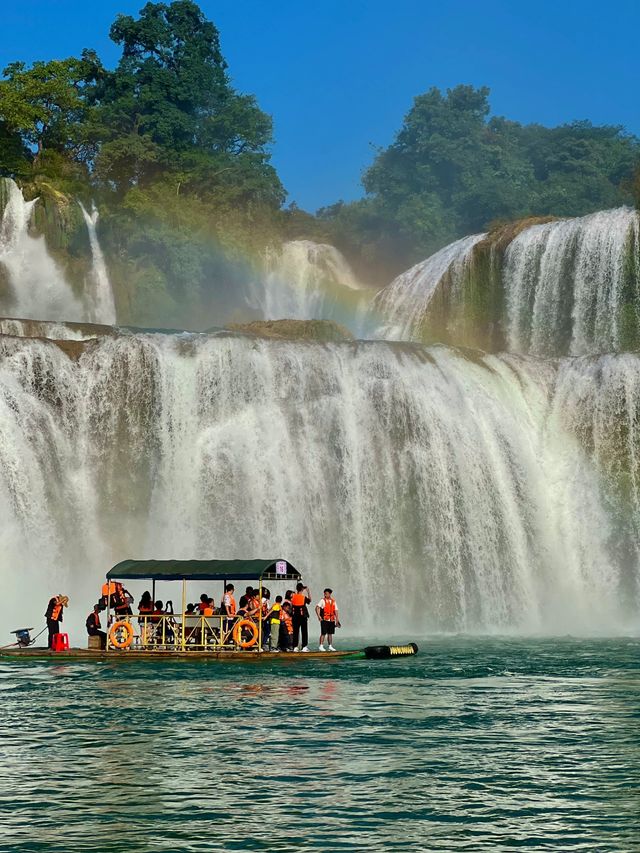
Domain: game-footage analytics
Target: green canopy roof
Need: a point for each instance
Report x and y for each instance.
(204, 570)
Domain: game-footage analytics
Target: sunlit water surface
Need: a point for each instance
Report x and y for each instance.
(476, 744)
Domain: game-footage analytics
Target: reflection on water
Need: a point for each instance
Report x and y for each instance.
(476, 744)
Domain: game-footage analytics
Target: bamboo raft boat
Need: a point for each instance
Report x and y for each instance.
(183, 636)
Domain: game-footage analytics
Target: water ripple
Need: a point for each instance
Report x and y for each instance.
(477, 744)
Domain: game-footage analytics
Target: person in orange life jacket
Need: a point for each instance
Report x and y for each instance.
(229, 606)
(299, 600)
(327, 613)
(93, 626)
(108, 590)
(122, 601)
(54, 615)
(117, 597)
(249, 604)
(285, 633)
(206, 606)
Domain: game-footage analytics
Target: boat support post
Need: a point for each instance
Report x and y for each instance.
(184, 612)
(260, 614)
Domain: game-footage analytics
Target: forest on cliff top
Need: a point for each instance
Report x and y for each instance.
(179, 163)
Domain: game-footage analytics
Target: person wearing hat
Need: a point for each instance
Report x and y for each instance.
(54, 615)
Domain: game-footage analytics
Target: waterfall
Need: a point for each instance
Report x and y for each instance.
(563, 287)
(429, 489)
(568, 284)
(401, 308)
(102, 308)
(37, 287)
(304, 280)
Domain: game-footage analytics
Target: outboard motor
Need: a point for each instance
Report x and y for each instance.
(23, 637)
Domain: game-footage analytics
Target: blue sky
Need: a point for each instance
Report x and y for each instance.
(338, 77)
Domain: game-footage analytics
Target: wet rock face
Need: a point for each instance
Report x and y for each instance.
(297, 330)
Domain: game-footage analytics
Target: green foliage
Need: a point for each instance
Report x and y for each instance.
(452, 170)
(14, 156)
(45, 104)
(169, 109)
(179, 164)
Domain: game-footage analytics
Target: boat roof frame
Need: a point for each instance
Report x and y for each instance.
(204, 570)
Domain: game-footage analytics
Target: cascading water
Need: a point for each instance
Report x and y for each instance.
(563, 287)
(102, 307)
(400, 309)
(569, 284)
(37, 286)
(440, 491)
(445, 490)
(304, 280)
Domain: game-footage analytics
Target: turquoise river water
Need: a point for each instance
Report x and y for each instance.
(475, 744)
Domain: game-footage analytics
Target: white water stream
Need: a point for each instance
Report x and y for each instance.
(102, 308)
(431, 491)
(304, 280)
(399, 310)
(38, 288)
(564, 283)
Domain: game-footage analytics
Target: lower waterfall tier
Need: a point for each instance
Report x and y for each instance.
(433, 489)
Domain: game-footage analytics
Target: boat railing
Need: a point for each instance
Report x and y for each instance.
(173, 632)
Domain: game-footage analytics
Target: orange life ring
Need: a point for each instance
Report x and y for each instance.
(237, 633)
(115, 634)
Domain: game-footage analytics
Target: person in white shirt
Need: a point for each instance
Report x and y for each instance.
(327, 613)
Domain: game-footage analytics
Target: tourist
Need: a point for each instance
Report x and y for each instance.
(229, 607)
(122, 601)
(244, 600)
(145, 609)
(299, 600)
(54, 615)
(264, 612)
(93, 626)
(272, 624)
(206, 607)
(145, 605)
(327, 613)
(285, 634)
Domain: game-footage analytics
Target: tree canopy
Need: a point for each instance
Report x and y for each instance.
(453, 170)
(179, 162)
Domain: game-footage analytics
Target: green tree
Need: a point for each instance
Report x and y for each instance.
(169, 109)
(45, 104)
(453, 169)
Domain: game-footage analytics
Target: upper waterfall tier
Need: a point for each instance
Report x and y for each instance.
(401, 309)
(304, 280)
(453, 491)
(51, 264)
(540, 287)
